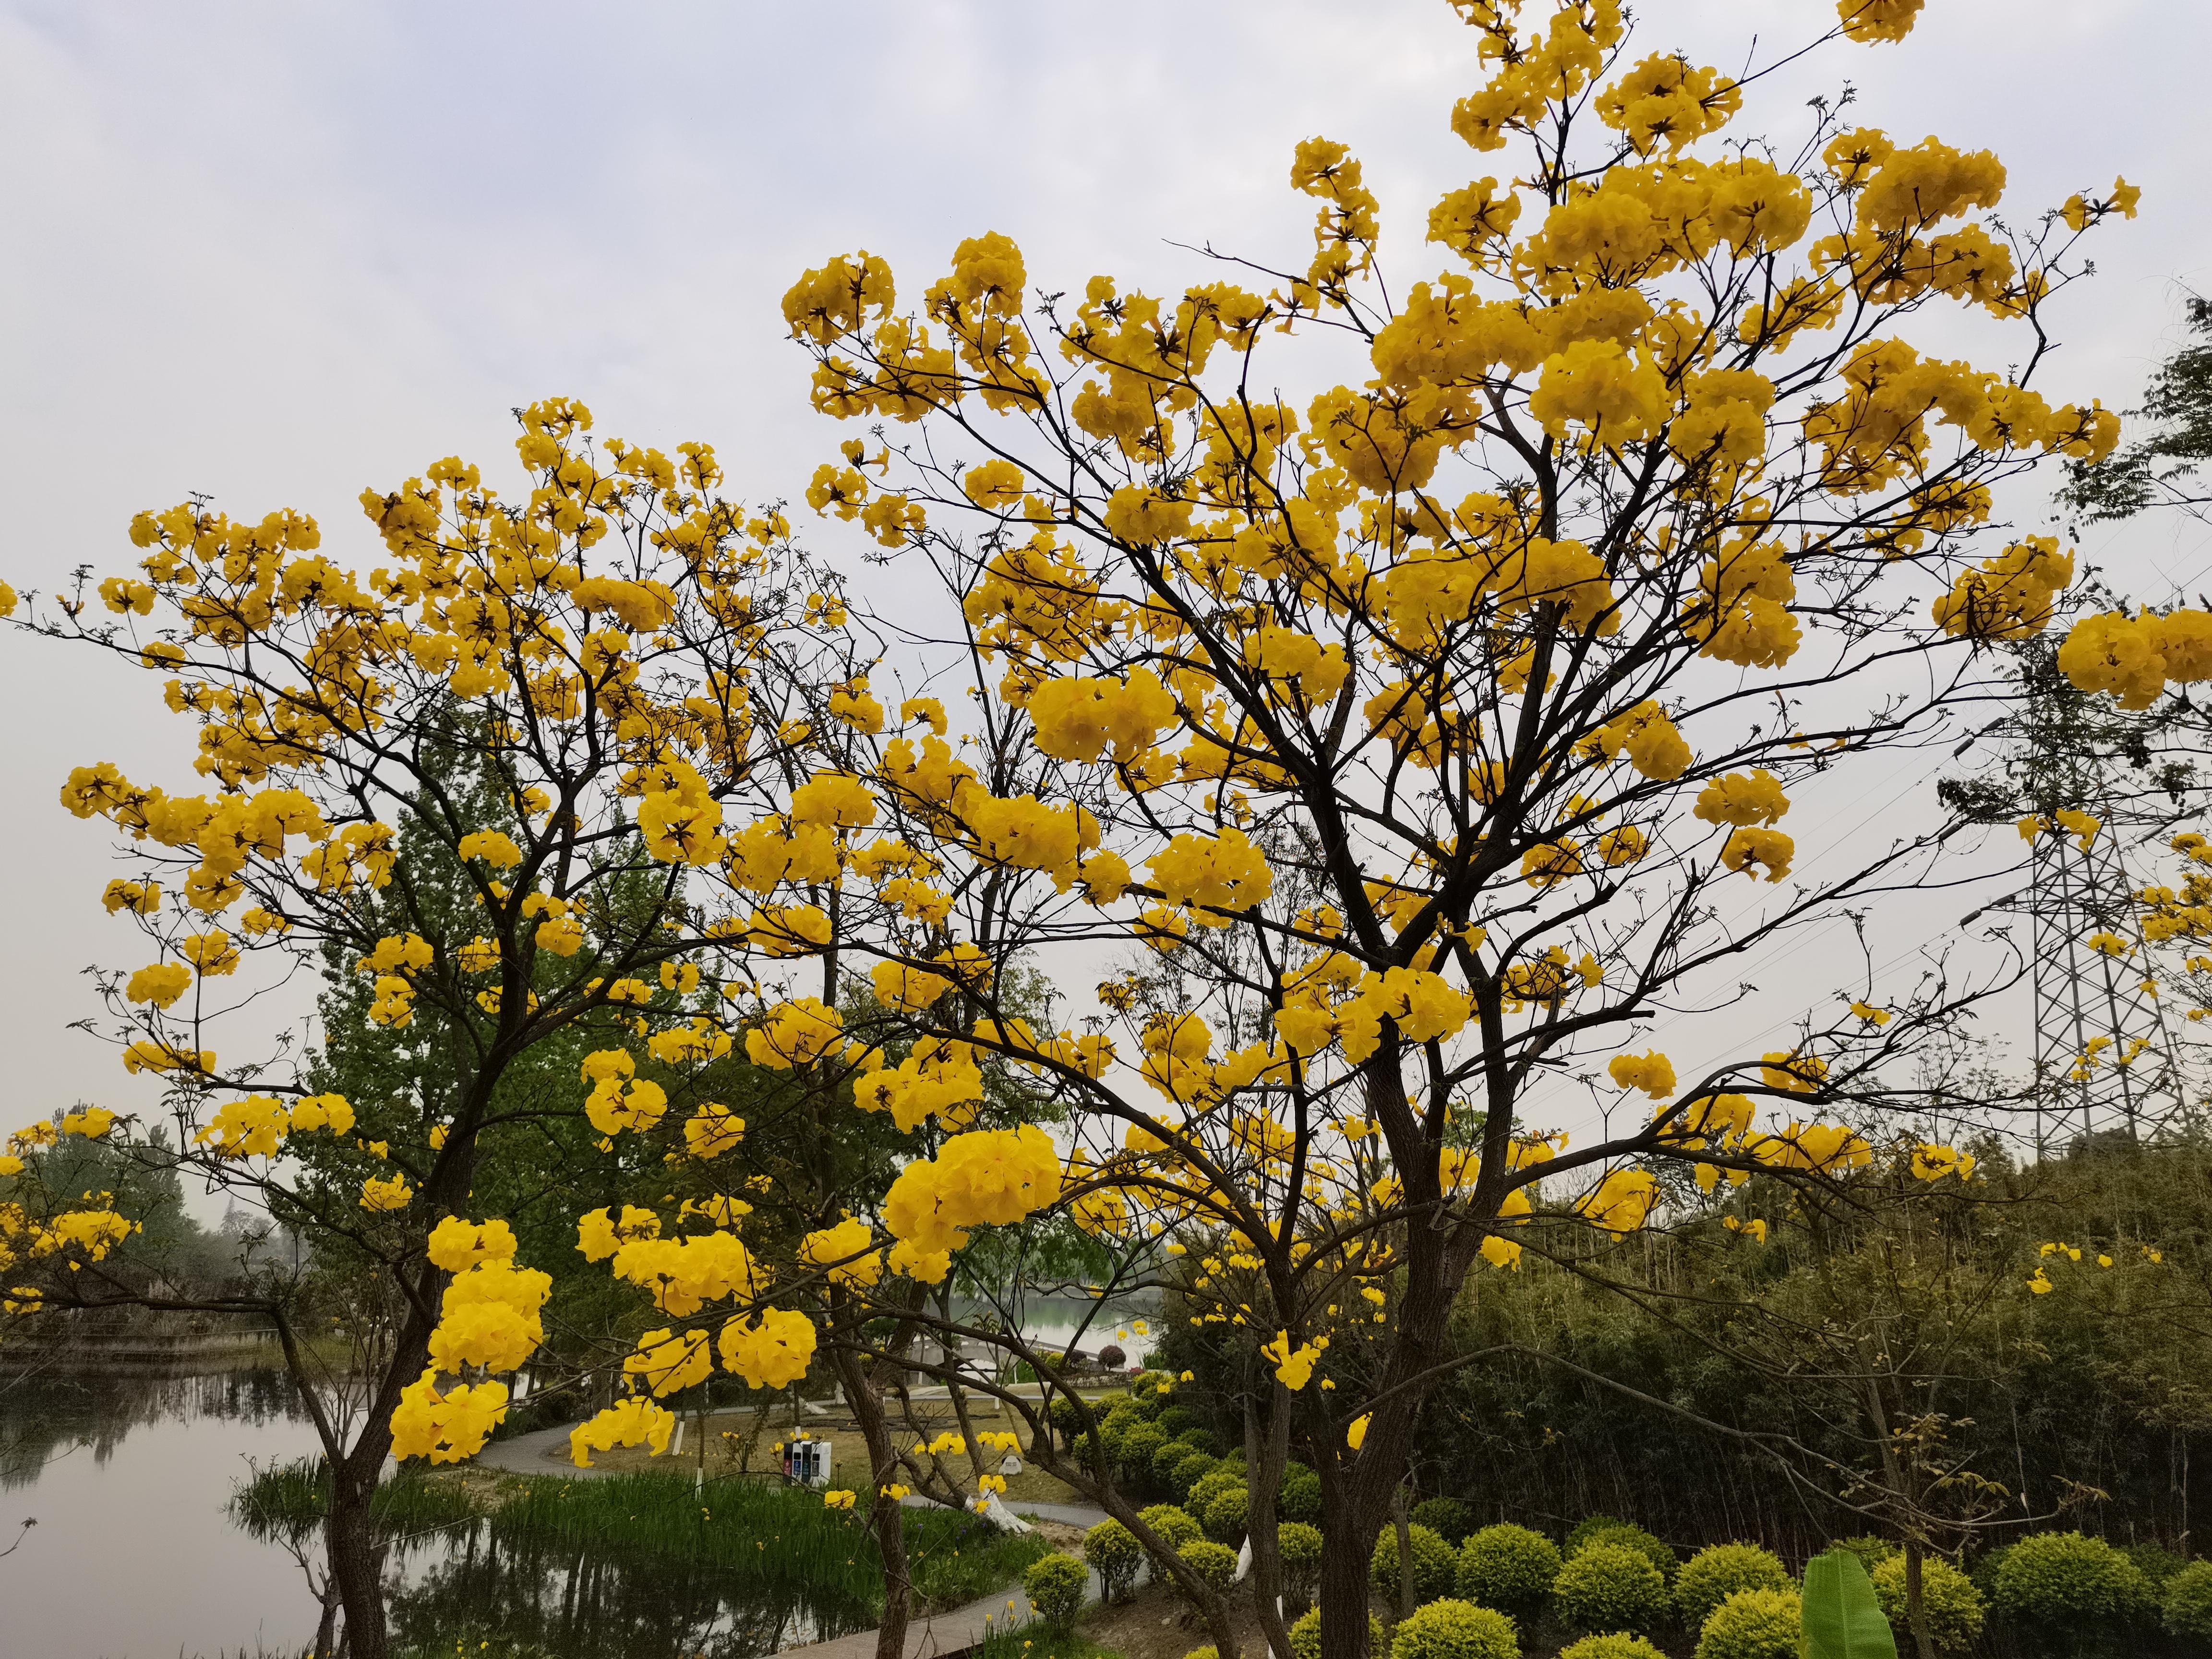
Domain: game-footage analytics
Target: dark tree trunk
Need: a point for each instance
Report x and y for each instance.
(1266, 1451)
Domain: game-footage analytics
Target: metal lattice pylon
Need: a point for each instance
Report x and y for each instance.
(2103, 1059)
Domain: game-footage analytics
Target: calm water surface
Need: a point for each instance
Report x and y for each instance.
(134, 1558)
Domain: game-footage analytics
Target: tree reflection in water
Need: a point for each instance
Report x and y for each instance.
(572, 1604)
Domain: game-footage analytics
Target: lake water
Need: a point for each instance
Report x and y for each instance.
(134, 1558)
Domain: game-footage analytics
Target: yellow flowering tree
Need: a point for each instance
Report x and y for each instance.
(550, 703)
(1422, 736)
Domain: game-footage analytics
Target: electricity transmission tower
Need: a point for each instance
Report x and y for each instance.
(2104, 1058)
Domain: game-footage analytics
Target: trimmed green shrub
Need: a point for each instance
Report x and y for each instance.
(1209, 1486)
(1871, 1551)
(1176, 1527)
(1948, 1602)
(1451, 1628)
(1166, 1459)
(1227, 1516)
(1447, 1517)
(1299, 1499)
(1752, 1624)
(1606, 1586)
(1436, 1563)
(1623, 1536)
(1138, 1446)
(1984, 1570)
(2071, 1583)
(1586, 1529)
(1199, 1439)
(2188, 1610)
(1209, 1651)
(1215, 1563)
(1718, 1571)
(1056, 1585)
(1144, 1394)
(1299, 1546)
(1113, 1549)
(1619, 1645)
(1191, 1469)
(1305, 1636)
(2158, 1565)
(1507, 1566)
(1173, 1419)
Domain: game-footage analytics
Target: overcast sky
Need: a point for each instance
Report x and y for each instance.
(277, 252)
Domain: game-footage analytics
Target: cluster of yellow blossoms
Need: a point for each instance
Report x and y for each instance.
(489, 1323)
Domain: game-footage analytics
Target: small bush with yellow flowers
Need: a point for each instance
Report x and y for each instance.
(1508, 1566)
(2069, 1582)
(1752, 1624)
(1112, 1550)
(1055, 1585)
(1949, 1603)
(1452, 1629)
(1609, 1587)
(1718, 1571)
(1617, 1645)
(1436, 1563)
(1305, 1636)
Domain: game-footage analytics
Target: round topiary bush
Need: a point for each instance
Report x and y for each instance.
(1056, 1585)
(1436, 1564)
(1752, 1624)
(1113, 1551)
(2188, 1610)
(1188, 1470)
(1451, 1628)
(2158, 1563)
(1215, 1563)
(1176, 1527)
(1173, 1419)
(1624, 1536)
(1299, 1546)
(1305, 1636)
(1144, 1395)
(1299, 1497)
(1115, 1426)
(1718, 1571)
(1209, 1486)
(1138, 1446)
(1167, 1459)
(1507, 1566)
(1607, 1587)
(2069, 1582)
(1447, 1517)
(1586, 1529)
(1949, 1603)
(1227, 1516)
(1199, 1439)
(1619, 1645)
(1112, 1358)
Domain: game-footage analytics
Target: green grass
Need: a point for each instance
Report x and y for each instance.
(1034, 1641)
(775, 1543)
(286, 1501)
(952, 1560)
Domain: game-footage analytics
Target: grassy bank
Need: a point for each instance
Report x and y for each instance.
(774, 1543)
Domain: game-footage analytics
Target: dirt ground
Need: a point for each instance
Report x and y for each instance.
(1157, 1624)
